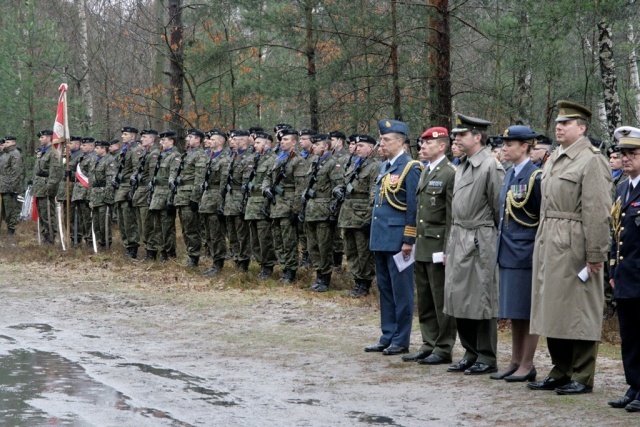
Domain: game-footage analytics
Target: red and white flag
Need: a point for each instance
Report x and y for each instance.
(61, 125)
(81, 178)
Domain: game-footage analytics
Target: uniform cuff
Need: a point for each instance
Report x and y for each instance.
(410, 231)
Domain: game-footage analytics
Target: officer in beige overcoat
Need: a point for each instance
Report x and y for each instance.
(471, 276)
(573, 234)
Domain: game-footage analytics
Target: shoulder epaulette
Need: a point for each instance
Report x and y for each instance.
(595, 150)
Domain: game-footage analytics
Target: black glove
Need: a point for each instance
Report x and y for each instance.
(87, 203)
(115, 184)
(150, 186)
(340, 192)
(366, 228)
(220, 213)
(30, 182)
(268, 194)
(194, 206)
(293, 219)
(244, 189)
(132, 181)
(172, 185)
(129, 199)
(67, 173)
(178, 180)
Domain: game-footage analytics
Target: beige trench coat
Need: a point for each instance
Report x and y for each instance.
(574, 229)
(471, 275)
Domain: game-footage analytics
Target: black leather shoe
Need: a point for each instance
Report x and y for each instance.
(547, 384)
(461, 366)
(531, 376)
(377, 347)
(574, 387)
(620, 403)
(434, 359)
(416, 357)
(503, 375)
(394, 350)
(633, 406)
(480, 369)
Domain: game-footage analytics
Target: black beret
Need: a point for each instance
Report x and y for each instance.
(114, 141)
(543, 139)
(285, 132)
(168, 134)
(264, 135)
(337, 134)
(281, 126)
(74, 138)
(85, 139)
(45, 132)
(9, 138)
(148, 132)
(255, 129)
(613, 149)
(102, 144)
(238, 132)
(130, 129)
(309, 132)
(196, 132)
(363, 137)
(352, 137)
(213, 132)
(319, 137)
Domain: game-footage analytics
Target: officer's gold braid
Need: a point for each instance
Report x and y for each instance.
(511, 204)
(389, 190)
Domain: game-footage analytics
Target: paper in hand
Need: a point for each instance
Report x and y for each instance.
(401, 262)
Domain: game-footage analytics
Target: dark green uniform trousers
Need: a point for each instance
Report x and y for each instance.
(480, 339)
(320, 245)
(438, 329)
(215, 236)
(360, 259)
(99, 220)
(11, 208)
(128, 225)
(573, 359)
(239, 236)
(190, 223)
(47, 217)
(141, 213)
(288, 234)
(262, 243)
(164, 224)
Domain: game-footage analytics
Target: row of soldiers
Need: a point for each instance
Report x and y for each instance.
(245, 193)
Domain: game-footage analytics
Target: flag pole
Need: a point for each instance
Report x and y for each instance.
(63, 87)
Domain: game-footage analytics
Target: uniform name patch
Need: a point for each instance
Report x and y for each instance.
(635, 204)
(435, 184)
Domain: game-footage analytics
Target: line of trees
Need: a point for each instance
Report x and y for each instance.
(330, 64)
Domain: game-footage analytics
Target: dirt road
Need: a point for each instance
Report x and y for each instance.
(88, 340)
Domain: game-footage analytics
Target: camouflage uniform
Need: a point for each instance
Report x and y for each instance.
(306, 260)
(100, 198)
(187, 199)
(80, 196)
(237, 228)
(163, 215)
(341, 158)
(131, 156)
(61, 195)
(287, 207)
(11, 182)
(47, 174)
(262, 244)
(355, 221)
(144, 174)
(209, 204)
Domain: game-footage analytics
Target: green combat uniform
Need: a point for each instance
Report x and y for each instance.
(186, 200)
(210, 202)
(163, 215)
(237, 228)
(143, 176)
(61, 196)
(130, 157)
(355, 220)
(341, 158)
(11, 179)
(80, 210)
(319, 230)
(100, 198)
(285, 183)
(260, 227)
(47, 174)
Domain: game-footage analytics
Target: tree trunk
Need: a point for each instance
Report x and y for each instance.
(86, 92)
(439, 59)
(633, 72)
(176, 69)
(395, 67)
(523, 101)
(232, 82)
(310, 51)
(158, 71)
(608, 73)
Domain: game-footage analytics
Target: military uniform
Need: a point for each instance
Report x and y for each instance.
(160, 212)
(101, 197)
(187, 198)
(341, 158)
(148, 233)
(318, 229)
(129, 159)
(285, 211)
(237, 228)
(260, 227)
(47, 175)
(210, 203)
(11, 182)
(80, 210)
(355, 221)
(61, 196)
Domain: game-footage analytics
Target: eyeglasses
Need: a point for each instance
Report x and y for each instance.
(629, 154)
(386, 140)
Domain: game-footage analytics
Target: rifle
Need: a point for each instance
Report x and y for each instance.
(115, 183)
(248, 185)
(174, 184)
(152, 184)
(137, 177)
(271, 198)
(341, 191)
(205, 184)
(227, 186)
(75, 225)
(309, 192)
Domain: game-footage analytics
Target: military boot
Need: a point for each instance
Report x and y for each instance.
(164, 257)
(193, 261)
(132, 252)
(265, 272)
(288, 277)
(214, 270)
(325, 283)
(11, 231)
(150, 255)
(318, 281)
(242, 265)
(337, 260)
(306, 260)
(361, 289)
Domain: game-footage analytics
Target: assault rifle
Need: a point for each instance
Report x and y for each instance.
(309, 192)
(152, 184)
(173, 185)
(137, 177)
(268, 194)
(227, 186)
(115, 183)
(205, 184)
(248, 184)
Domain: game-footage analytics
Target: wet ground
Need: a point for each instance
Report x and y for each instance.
(84, 348)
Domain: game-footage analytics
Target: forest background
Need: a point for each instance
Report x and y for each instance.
(328, 65)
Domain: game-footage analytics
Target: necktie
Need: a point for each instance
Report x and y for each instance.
(630, 188)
